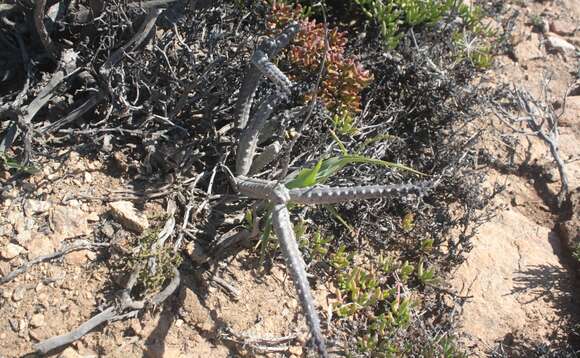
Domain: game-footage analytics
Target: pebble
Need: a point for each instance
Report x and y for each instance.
(37, 334)
(32, 207)
(13, 324)
(70, 352)
(69, 222)
(562, 27)
(18, 293)
(559, 44)
(10, 251)
(128, 217)
(108, 230)
(37, 320)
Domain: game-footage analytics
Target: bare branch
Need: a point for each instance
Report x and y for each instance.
(66, 250)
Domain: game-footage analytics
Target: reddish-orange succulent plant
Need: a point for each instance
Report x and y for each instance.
(344, 77)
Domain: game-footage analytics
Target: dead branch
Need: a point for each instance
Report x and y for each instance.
(66, 250)
(112, 313)
(39, 11)
(541, 121)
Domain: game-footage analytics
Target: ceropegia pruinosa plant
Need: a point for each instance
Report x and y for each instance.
(276, 193)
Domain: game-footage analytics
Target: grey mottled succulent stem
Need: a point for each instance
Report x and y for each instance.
(323, 195)
(262, 189)
(270, 48)
(269, 153)
(272, 72)
(249, 138)
(285, 233)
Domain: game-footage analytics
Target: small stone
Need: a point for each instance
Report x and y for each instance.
(37, 320)
(128, 217)
(196, 252)
(23, 237)
(93, 217)
(13, 324)
(296, 351)
(562, 27)
(70, 352)
(571, 116)
(4, 174)
(108, 230)
(28, 187)
(32, 207)
(4, 268)
(37, 334)
(88, 178)
(6, 293)
(80, 257)
(528, 50)
(559, 44)
(10, 251)
(196, 313)
(18, 293)
(68, 222)
(39, 246)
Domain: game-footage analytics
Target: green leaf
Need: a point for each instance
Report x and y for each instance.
(306, 177)
(328, 167)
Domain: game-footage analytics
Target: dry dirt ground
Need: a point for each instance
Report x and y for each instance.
(519, 275)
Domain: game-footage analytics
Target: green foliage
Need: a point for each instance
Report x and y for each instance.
(325, 168)
(424, 275)
(341, 259)
(343, 122)
(10, 163)
(392, 15)
(152, 280)
(473, 48)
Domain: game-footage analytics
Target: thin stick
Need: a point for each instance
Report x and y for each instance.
(24, 267)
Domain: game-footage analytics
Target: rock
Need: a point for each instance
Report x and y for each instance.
(569, 230)
(529, 49)
(32, 207)
(37, 320)
(69, 222)
(93, 217)
(501, 272)
(80, 257)
(70, 352)
(21, 223)
(18, 293)
(10, 251)
(196, 252)
(39, 246)
(562, 27)
(108, 230)
(13, 324)
(559, 44)
(4, 175)
(37, 334)
(4, 268)
(195, 314)
(6, 293)
(23, 237)
(88, 178)
(296, 351)
(125, 213)
(571, 116)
